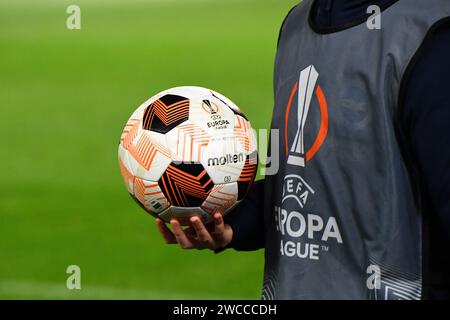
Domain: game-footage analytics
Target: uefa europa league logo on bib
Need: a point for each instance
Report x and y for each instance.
(307, 87)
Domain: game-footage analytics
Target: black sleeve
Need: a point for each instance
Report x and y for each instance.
(247, 221)
(425, 116)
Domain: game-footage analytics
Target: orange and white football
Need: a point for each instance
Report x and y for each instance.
(188, 151)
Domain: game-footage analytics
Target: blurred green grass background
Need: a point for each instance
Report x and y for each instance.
(65, 96)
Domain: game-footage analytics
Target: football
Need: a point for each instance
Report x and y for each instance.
(188, 151)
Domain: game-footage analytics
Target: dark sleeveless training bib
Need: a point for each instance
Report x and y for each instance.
(341, 219)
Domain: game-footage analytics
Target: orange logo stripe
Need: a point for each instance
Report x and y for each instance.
(323, 125)
(323, 131)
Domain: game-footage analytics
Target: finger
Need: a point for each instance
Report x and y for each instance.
(193, 238)
(202, 234)
(190, 232)
(180, 236)
(168, 236)
(219, 229)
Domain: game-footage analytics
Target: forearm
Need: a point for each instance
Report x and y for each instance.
(247, 221)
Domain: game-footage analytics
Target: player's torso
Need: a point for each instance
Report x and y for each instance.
(342, 220)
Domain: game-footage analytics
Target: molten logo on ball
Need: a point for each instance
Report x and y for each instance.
(235, 158)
